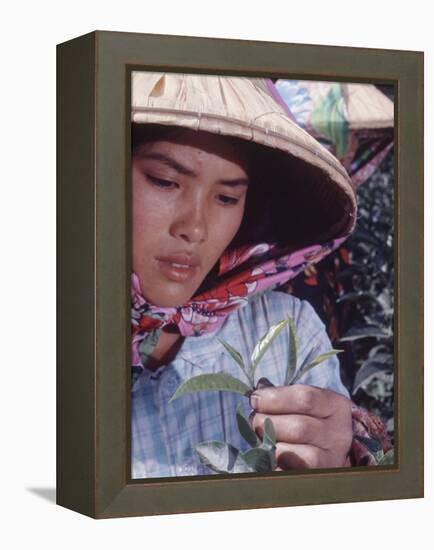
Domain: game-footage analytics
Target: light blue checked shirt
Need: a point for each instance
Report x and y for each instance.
(164, 435)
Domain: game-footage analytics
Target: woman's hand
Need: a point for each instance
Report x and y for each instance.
(313, 425)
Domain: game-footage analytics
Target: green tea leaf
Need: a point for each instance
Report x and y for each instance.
(356, 296)
(314, 363)
(387, 459)
(379, 387)
(222, 457)
(265, 342)
(373, 446)
(292, 354)
(269, 438)
(380, 350)
(259, 460)
(372, 368)
(269, 443)
(212, 382)
(233, 352)
(236, 356)
(365, 332)
(246, 429)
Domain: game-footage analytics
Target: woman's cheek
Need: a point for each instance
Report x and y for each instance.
(232, 221)
(156, 211)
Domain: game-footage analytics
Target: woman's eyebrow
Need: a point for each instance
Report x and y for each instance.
(235, 182)
(172, 163)
(169, 161)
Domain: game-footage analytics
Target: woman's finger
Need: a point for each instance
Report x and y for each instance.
(295, 428)
(299, 457)
(296, 399)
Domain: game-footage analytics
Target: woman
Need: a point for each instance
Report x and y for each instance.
(230, 199)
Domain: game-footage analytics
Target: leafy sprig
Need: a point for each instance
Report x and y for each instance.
(222, 457)
(222, 381)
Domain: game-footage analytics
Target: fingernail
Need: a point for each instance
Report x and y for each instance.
(254, 400)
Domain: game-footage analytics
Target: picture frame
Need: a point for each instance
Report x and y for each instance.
(94, 258)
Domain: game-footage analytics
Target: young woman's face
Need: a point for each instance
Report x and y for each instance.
(188, 202)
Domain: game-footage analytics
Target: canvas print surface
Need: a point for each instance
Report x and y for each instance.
(262, 284)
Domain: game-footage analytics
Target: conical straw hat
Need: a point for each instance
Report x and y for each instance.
(249, 108)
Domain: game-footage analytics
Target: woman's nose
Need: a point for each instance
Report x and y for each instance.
(190, 225)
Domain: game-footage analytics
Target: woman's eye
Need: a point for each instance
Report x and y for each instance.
(224, 199)
(164, 184)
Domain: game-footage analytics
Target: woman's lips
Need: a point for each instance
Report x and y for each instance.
(178, 268)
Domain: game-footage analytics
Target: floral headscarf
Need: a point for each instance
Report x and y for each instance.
(243, 272)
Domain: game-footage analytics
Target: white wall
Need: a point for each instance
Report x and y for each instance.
(30, 31)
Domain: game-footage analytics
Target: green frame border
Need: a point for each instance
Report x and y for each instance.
(93, 111)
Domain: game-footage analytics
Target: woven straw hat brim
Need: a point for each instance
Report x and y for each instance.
(244, 108)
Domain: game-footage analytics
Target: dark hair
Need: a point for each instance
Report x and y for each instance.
(143, 133)
(279, 207)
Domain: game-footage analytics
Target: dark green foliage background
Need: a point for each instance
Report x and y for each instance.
(367, 305)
